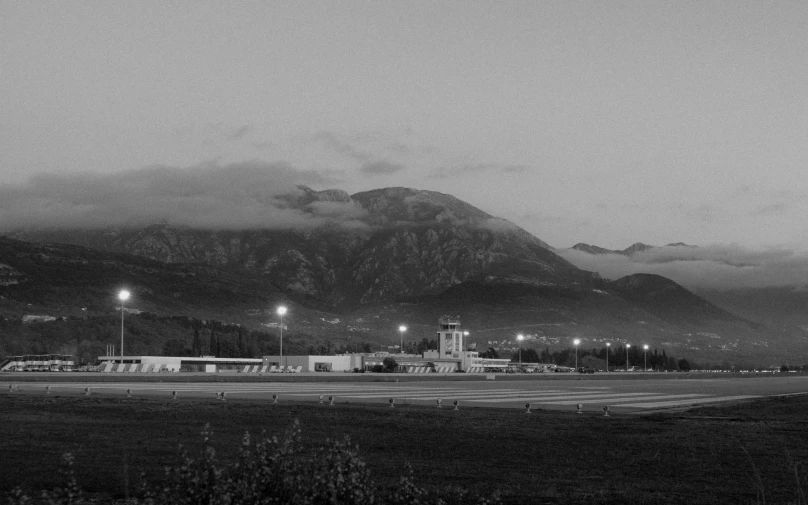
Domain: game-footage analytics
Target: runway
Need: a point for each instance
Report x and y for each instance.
(625, 396)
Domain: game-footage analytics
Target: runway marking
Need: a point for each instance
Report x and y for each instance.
(717, 399)
(406, 391)
(636, 399)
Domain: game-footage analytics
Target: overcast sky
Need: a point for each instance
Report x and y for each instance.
(598, 122)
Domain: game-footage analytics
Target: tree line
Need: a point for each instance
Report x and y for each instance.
(597, 357)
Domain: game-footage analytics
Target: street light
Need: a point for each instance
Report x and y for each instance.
(520, 337)
(607, 355)
(645, 358)
(122, 296)
(401, 330)
(627, 346)
(576, 342)
(281, 311)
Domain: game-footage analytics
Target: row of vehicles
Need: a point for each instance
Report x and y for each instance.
(39, 363)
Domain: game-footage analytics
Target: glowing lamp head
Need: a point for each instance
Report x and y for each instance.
(520, 337)
(281, 310)
(608, 344)
(576, 341)
(628, 345)
(123, 295)
(465, 333)
(402, 328)
(645, 347)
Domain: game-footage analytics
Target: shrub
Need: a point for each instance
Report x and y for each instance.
(390, 364)
(270, 471)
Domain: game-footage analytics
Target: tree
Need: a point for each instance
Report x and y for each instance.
(528, 356)
(174, 347)
(390, 364)
(197, 345)
(491, 353)
(684, 365)
(592, 362)
(227, 349)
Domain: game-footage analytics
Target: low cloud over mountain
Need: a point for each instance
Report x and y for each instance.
(718, 267)
(235, 196)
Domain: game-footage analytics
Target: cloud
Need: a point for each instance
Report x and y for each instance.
(341, 210)
(381, 168)
(769, 210)
(243, 195)
(238, 133)
(450, 171)
(455, 170)
(499, 225)
(716, 267)
(341, 146)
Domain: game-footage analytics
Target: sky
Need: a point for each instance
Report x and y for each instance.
(600, 122)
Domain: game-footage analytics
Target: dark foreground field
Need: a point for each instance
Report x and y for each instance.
(746, 453)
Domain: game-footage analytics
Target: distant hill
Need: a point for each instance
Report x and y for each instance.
(628, 251)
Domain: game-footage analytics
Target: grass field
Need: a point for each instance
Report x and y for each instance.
(745, 453)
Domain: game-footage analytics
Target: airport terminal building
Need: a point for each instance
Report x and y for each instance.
(450, 357)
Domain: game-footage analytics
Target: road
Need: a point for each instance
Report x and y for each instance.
(623, 394)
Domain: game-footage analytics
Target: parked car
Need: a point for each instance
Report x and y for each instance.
(586, 370)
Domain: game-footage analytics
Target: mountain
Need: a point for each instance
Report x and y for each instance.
(402, 242)
(383, 257)
(593, 249)
(628, 251)
(783, 308)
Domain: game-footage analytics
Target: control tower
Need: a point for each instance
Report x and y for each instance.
(450, 337)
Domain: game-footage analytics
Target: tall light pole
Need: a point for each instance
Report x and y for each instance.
(576, 342)
(627, 346)
(520, 337)
(401, 330)
(122, 296)
(607, 355)
(645, 358)
(281, 311)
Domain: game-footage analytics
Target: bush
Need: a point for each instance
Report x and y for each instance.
(390, 364)
(377, 369)
(271, 471)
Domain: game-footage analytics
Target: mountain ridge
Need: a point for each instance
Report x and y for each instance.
(400, 254)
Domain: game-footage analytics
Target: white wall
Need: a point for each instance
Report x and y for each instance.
(340, 363)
